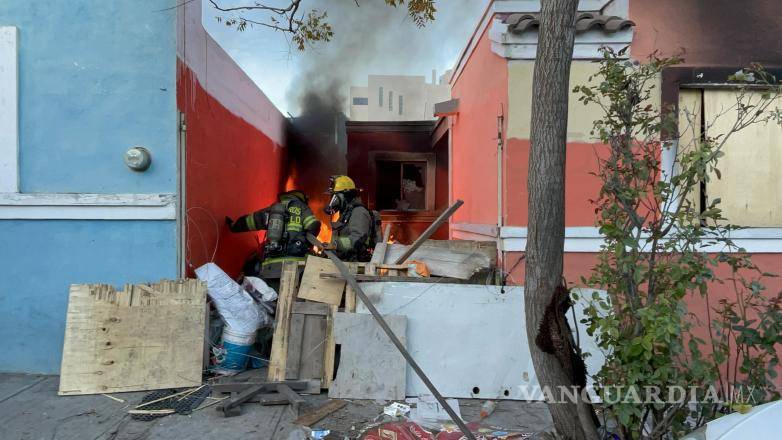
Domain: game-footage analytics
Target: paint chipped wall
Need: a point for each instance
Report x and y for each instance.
(582, 149)
(235, 147)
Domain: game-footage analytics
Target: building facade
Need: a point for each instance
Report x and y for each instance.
(398, 98)
(402, 169)
(82, 83)
(492, 87)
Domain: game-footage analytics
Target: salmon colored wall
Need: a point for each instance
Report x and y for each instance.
(482, 90)
(579, 264)
(711, 32)
(232, 169)
(580, 185)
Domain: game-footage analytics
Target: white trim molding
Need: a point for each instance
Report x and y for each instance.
(613, 7)
(61, 206)
(577, 239)
(9, 109)
(588, 239)
(524, 47)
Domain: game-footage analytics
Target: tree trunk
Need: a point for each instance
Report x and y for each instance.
(546, 187)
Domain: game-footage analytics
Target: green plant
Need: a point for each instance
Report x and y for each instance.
(661, 248)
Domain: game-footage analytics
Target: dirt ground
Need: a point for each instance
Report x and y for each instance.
(30, 409)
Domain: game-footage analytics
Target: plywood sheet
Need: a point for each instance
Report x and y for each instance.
(470, 340)
(314, 288)
(690, 117)
(143, 338)
(370, 366)
(751, 170)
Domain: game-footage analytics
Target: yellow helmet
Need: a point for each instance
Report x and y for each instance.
(341, 183)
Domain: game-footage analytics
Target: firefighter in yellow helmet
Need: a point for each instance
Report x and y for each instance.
(287, 223)
(354, 234)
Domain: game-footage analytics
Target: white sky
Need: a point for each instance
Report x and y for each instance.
(397, 47)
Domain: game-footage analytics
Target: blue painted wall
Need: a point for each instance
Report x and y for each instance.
(40, 259)
(96, 77)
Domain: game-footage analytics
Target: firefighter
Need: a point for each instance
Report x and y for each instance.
(354, 234)
(287, 223)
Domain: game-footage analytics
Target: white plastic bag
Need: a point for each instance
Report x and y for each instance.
(235, 305)
(267, 293)
(430, 414)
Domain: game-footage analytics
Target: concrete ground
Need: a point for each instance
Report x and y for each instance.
(31, 410)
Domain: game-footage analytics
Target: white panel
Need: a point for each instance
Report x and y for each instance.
(466, 337)
(88, 206)
(9, 110)
(476, 228)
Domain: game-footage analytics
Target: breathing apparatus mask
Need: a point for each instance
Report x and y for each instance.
(338, 203)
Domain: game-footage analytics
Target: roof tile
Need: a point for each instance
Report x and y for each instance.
(585, 21)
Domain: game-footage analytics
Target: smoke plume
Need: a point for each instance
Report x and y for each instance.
(373, 38)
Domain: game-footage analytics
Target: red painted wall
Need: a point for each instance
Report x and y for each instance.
(232, 168)
(482, 90)
(711, 32)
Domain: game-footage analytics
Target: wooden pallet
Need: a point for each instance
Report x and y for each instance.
(303, 346)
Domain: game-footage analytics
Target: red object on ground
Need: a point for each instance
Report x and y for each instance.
(406, 430)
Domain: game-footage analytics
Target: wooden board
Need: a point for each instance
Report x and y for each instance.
(370, 366)
(306, 343)
(314, 288)
(145, 337)
(295, 336)
(330, 353)
(320, 412)
(286, 297)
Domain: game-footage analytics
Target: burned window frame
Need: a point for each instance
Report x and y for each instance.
(404, 157)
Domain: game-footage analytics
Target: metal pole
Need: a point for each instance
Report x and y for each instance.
(429, 231)
(343, 270)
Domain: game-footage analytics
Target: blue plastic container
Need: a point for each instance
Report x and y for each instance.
(236, 347)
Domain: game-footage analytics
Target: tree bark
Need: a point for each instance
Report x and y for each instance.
(546, 190)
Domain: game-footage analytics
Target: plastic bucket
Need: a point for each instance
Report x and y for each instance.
(236, 347)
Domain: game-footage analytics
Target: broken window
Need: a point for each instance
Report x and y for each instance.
(401, 185)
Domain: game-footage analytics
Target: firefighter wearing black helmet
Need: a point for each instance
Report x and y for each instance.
(287, 223)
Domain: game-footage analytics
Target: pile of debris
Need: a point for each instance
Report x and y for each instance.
(424, 321)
